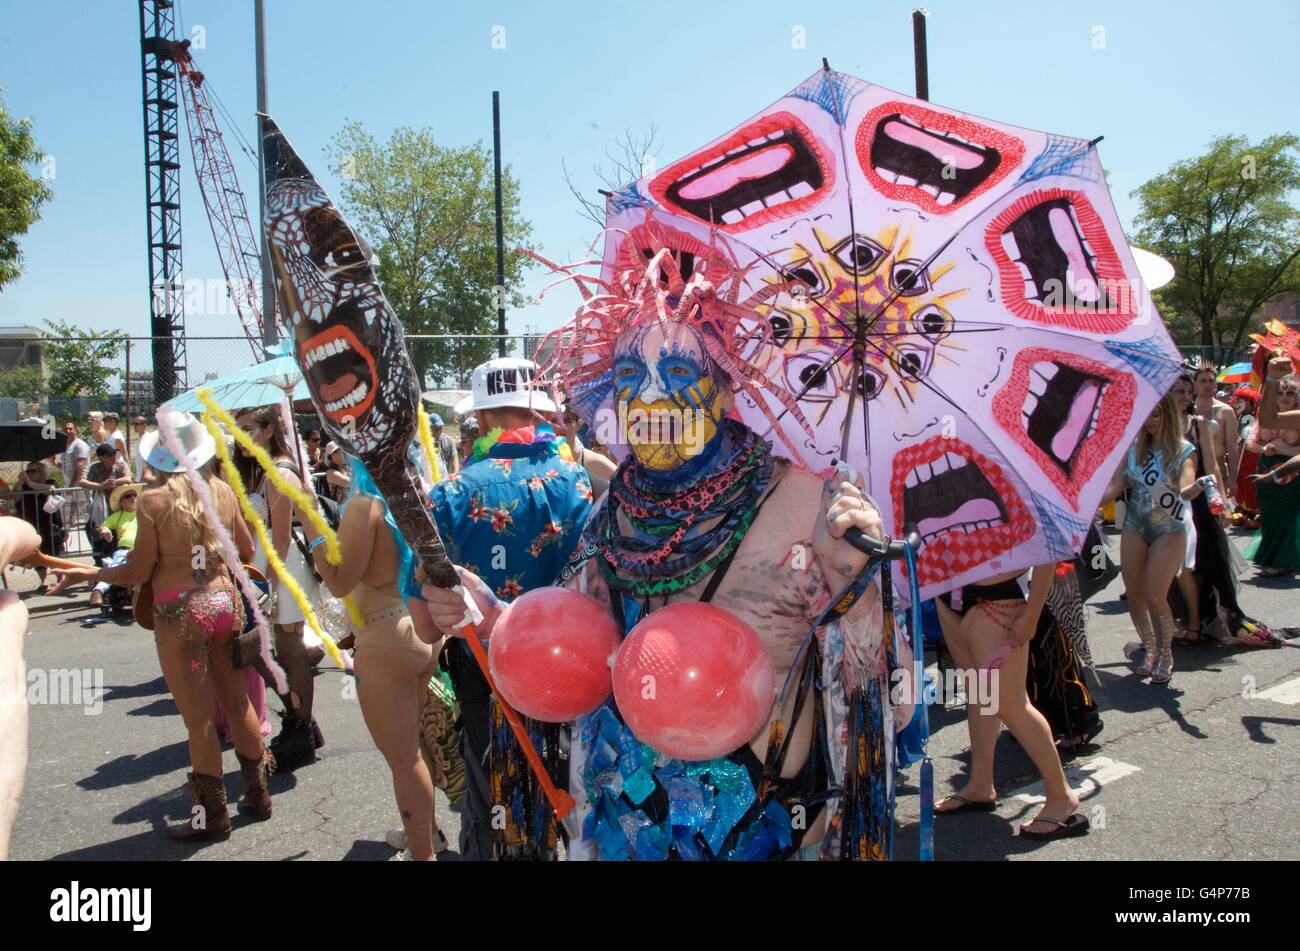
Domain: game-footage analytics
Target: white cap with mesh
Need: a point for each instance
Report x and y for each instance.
(505, 381)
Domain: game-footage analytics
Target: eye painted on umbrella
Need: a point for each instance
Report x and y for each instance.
(870, 384)
(806, 279)
(913, 360)
(860, 253)
(909, 277)
(809, 374)
(780, 325)
(932, 323)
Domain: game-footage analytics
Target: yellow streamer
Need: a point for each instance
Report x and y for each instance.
(251, 516)
(426, 443)
(306, 503)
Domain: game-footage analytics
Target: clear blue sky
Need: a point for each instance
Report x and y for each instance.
(573, 75)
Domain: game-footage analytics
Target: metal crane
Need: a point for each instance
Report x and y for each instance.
(222, 197)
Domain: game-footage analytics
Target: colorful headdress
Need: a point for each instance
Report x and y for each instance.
(660, 274)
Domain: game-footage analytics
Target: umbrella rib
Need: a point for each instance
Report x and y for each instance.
(859, 328)
(894, 294)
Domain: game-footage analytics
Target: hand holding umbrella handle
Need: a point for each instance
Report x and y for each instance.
(883, 548)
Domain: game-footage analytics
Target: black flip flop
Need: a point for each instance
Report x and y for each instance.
(1076, 825)
(966, 806)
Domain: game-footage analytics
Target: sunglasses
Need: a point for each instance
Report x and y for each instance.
(33, 471)
(129, 497)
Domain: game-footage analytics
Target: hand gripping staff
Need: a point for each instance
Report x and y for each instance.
(351, 350)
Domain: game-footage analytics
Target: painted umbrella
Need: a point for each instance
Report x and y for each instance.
(1237, 373)
(950, 301)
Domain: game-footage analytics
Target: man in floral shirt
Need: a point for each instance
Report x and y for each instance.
(513, 516)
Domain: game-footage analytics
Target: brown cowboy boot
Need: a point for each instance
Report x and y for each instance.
(211, 821)
(256, 800)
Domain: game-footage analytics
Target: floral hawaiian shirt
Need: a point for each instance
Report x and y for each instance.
(514, 517)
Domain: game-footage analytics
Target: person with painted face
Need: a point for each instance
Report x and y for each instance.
(513, 516)
(701, 510)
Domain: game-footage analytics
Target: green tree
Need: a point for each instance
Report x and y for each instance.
(80, 360)
(21, 192)
(22, 383)
(428, 211)
(1226, 222)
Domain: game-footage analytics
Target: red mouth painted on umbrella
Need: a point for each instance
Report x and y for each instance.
(1057, 264)
(936, 161)
(1066, 412)
(341, 373)
(965, 509)
(770, 169)
(644, 241)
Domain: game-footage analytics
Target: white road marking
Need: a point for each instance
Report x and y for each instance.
(1288, 692)
(1085, 779)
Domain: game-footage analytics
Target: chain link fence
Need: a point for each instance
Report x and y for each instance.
(444, 361)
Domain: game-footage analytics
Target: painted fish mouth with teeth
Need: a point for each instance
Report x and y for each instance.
(966, 511)
(937, 161)
(1066, 412)
(1057, 264)
(1060, 410)
(341, 371)
(950, 494)
(770, 169)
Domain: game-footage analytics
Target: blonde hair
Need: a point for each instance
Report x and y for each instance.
(1168, 439)
(184, 503)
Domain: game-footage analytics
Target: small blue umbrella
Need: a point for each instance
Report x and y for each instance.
(262, 384)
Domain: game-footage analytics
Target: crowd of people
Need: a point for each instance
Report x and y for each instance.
(518, 500)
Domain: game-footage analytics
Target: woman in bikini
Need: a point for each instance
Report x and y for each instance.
(1277, 548)
(987, 627)
(1160, 472)
(196, 610)
(393, 663)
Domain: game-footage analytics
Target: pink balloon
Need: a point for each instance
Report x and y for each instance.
(550, 654)
(693, 681)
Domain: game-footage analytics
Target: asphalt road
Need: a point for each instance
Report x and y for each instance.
(1202, 769)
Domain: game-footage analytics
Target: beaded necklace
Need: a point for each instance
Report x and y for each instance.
(661, 555)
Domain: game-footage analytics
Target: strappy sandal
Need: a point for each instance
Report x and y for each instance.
(1076, 825)
(967, 805)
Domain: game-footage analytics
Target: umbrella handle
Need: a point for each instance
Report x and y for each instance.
(883, 548)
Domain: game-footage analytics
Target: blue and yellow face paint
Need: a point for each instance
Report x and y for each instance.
(670, 404)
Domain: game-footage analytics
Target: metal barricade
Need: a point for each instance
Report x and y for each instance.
(66, 519)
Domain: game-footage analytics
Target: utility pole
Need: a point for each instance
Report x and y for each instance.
(501, 251)
(269, 334)
(919, 53)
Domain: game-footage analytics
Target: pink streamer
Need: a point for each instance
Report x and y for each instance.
(229, 552)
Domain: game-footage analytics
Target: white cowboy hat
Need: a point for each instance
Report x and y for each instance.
(193, 436)
(505, 381)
